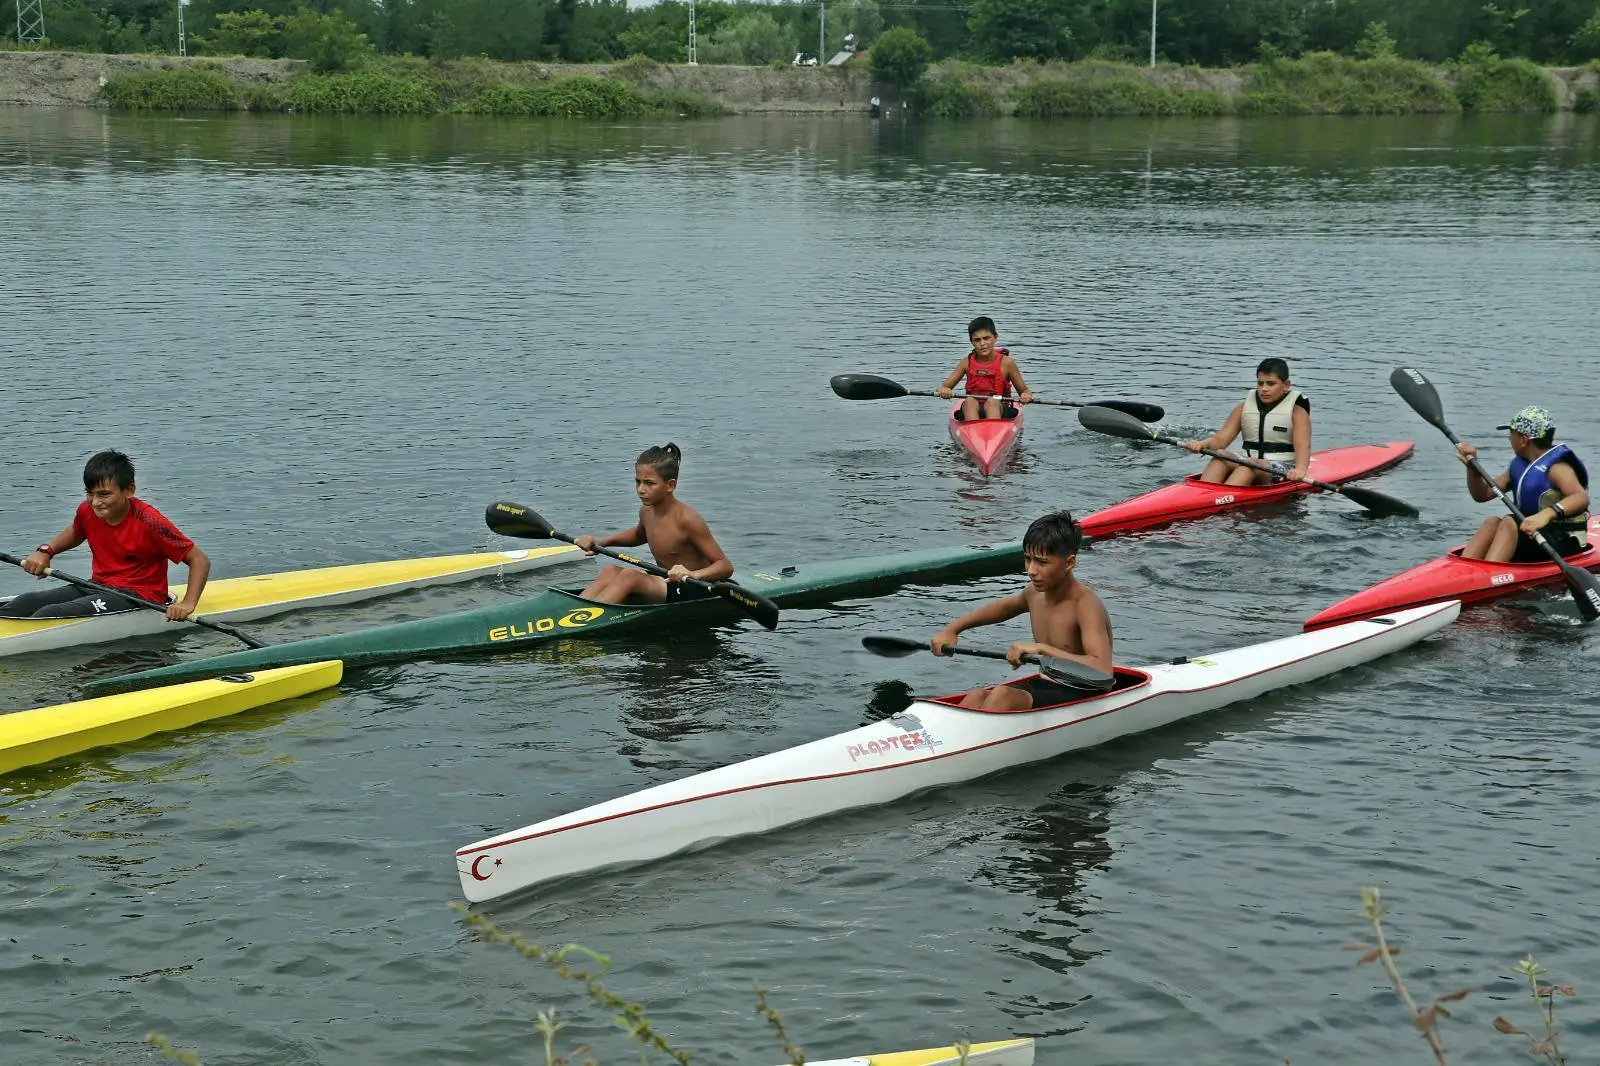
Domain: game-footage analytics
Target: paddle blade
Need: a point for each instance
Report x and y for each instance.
(866, 387)
(1144, 412)
(1417, 391)
(1378, 503)
(1114, 423)
(760, 608)
(1075, 675)
(1585, 591)
(513, 520)
(893, 647)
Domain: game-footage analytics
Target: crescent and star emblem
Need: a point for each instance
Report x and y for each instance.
(473, 870)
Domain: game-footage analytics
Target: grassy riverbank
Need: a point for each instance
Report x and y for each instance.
(1318, 84)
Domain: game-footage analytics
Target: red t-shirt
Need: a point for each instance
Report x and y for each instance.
(133, 554)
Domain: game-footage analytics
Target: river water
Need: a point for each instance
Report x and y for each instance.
(335, 340)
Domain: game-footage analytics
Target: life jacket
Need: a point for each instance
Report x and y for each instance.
(1531, 488)
(988, 379)
(1268, 431)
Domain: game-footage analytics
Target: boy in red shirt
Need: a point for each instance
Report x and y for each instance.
(990, 374)
(131, 542)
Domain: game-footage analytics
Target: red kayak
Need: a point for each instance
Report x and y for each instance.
(1193, 498)
(990, 441)
(1454, 578)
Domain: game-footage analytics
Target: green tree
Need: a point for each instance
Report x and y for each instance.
(243, 33)
(1375, 42)
(1585, 43)
(329, 42)
(1030, 29)
(900, 57)
(754, 40)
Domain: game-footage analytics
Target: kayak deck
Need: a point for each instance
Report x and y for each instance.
(989, 441)
(1455, 578)
(28, 738)
(931, 744)
(556, 615)
(1015, 1052)
(241, 599)
(1193, 498)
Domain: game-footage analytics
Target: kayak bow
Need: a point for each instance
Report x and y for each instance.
(1455, 578)
(990, 441)
(933, 743)
(1193, 498)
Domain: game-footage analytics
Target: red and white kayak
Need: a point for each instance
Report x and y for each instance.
(990, 441)
(1454, 578)
(1193, 498)
(932, 743)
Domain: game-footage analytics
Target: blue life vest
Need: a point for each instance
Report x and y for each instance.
(1531, 488)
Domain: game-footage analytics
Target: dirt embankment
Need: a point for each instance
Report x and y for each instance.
(73, 79)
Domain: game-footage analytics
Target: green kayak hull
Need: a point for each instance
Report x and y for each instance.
(556, 615)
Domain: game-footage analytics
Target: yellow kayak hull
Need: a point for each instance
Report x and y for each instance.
(28, 738)
(1017, 1052)
(240, 599)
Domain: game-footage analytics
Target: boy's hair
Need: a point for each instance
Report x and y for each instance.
(109, 465)
(981, 322)
(663, 460)
(1054, 534)
(1278, 368)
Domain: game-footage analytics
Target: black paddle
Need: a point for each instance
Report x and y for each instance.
(1418, 391)
(106, 590)
(513, 520)
(1066, 672)
(873, 387)
(1117, 424)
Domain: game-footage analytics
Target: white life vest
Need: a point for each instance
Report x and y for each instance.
(1276, 437)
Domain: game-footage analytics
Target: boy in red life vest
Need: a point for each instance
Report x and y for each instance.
(990, 373)
(131, 543)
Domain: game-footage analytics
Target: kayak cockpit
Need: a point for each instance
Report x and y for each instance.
(1127, 678)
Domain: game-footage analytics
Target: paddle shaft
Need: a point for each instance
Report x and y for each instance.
(1064, 671)
(107, 590)
(1115, 405)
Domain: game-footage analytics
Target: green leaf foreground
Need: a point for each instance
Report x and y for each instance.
(587, 968)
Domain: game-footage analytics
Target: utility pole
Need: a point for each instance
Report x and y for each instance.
(693, 58)
(1153, 32)
(30, 20)
(183, 49)
(822, 33)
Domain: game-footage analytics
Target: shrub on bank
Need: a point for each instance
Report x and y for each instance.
(192, 87)
(951, 95)
(1057, 97)
(367, 92)
(1491, 83)
(1324, 83)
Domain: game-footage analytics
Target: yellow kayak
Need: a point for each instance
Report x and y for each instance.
(239, 599)
(1018, 1052)
(28, 738)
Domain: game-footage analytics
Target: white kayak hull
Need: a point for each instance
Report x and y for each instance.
(1016, 1052)
(931, 744)
(241, 599)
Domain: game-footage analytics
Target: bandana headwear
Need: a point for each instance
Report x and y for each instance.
(1533, 422)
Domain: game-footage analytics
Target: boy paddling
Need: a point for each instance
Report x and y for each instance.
(990, 373)
(678, 537)
(1276, 422)
(1550, 485)
(131, 543)
(1069, 621)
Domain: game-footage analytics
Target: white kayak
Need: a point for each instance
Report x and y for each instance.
(240, 599)
(1016, 1052)
(931, 743)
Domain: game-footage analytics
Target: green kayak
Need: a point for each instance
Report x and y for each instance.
(556, 615)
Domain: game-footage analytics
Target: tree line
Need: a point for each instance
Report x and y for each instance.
(1204, 32)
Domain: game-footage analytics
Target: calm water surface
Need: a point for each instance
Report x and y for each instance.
(329, 341)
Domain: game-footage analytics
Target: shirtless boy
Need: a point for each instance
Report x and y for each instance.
(1069, 621)
(678, 537)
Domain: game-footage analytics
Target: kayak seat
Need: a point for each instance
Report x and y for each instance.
(1008, 411)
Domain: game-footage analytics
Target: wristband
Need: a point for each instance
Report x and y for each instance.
(1561, 512)
(48, 552)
